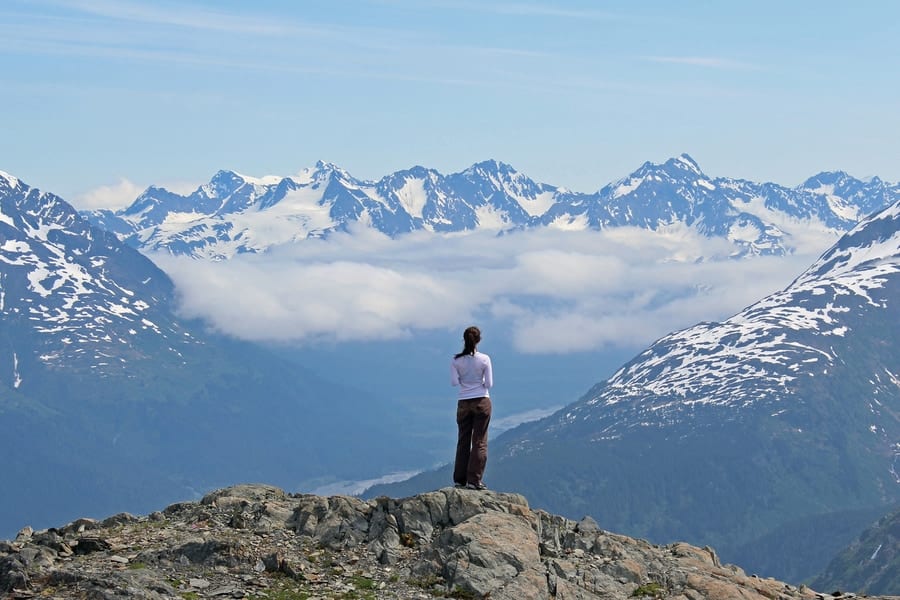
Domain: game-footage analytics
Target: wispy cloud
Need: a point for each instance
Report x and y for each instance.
(113, 197)
(204, 39)
(708, 62)
(518, 8)
(181, 14)
(556, 291)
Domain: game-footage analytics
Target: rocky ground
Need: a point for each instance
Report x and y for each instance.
(257, 542)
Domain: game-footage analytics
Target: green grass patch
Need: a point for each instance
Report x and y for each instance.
(651, 590)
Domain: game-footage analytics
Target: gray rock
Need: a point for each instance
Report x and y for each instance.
(245, 493)
(13, 574)
(486, 553)
(79, 526)
(119, 519)
(587, 525)
(336, 522)
(86, 545)
(255, 541)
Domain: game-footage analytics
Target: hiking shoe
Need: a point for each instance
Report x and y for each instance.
(476, 486)
(459, 485)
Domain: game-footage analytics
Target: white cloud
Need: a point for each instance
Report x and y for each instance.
(113, 197)
(555, 291)
(122, 194)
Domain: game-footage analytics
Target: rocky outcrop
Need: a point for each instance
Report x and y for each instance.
(256, 541)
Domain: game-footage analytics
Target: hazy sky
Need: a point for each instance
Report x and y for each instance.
(100, 98)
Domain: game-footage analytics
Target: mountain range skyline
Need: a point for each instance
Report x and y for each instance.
(839, 195)
(658, 236)
(686, 224)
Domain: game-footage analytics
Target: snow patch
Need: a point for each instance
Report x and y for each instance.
(490, 218)
(17, 379)
(567, 223)
(263, 181)
(626, 186)
(747, 232)
(540, 204)
(12, 181)
(413, 197)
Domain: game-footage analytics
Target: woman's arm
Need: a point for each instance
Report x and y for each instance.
(454, 374)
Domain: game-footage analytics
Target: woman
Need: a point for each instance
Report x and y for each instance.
(471, 371)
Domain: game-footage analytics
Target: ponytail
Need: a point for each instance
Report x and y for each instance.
(471, 337)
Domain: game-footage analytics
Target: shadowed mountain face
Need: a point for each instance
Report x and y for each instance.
(235, 214)
(783, 418)
(871, 564)
(109, 401)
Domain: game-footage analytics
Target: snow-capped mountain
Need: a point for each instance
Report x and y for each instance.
(233, 213)
(72, 296)
(760, 357)
(109, 401)
(770, 435)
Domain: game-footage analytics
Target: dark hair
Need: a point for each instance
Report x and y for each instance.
(471, 337)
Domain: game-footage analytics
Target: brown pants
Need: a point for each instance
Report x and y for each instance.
(472, 417)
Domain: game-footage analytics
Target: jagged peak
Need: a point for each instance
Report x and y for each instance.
(872, 180)
(491, 165)
(687, 159)
(826, 178)
(320, 171)
(11, 180)
(417, 171)
(684, 162)
(228, 177)
(223, 175)
(222, 183)
(675, 168)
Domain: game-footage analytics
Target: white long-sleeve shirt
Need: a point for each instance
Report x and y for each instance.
(473, 375)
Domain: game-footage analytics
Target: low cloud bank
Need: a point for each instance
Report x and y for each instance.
(556, 291)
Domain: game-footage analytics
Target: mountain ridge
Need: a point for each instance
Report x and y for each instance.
(234, 214)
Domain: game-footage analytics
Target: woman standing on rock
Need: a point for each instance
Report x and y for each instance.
(471, 371)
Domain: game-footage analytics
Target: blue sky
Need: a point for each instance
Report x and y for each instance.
(101, 98)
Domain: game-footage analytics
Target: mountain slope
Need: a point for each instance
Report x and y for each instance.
(233, 213)
(871, 564)
(728, 433)
(109, 401)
